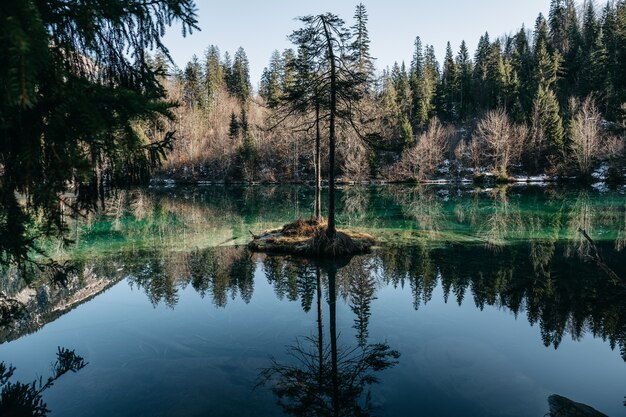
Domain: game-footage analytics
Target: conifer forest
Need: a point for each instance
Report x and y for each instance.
(541, 101)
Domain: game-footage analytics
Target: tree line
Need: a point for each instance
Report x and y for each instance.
(547, 100)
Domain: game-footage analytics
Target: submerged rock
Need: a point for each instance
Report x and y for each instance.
(564, 407)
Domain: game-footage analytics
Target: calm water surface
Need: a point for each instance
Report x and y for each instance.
(478, 303)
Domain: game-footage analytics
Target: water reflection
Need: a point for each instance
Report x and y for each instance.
(325, 378)
(18, 399)
(517, 249)
(561, 292)
(218, 273)
(181, 218)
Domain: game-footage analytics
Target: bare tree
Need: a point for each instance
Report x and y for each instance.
(500, 141)
(613, 153)
(353, 152)
(585, 135)
(421, 160)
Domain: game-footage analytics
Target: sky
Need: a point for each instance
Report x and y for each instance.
(260, 27)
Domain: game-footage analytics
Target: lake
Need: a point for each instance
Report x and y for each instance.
(478, 302)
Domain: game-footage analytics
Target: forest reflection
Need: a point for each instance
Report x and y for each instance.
(181, 218)
(516, 248)
(562, 293)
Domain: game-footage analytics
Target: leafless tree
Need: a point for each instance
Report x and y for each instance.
(499, 140)
(585, 147)
(422, 159)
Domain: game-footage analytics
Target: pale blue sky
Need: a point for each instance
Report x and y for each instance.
(262, 26)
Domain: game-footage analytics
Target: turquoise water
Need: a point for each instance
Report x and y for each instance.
(477, 303)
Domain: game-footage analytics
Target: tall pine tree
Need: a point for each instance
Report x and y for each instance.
(449, 88)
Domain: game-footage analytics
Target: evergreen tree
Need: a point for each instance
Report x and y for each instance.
(619, 78)
(192, 83)
(430, 79)
(612, 48)
(522, 65)
(419, 103)
(400, 80)
(449, 90)
(551, 123)
(541, 35)
(229, 79)
(496, 80)
(241, 87)
(464, 65)
(406, 132)
(360, 47)
(598, 68)
(417, 61)
(480, 91)
(288, 74)
(270, 86)
(213, 72)
(325, 40)
(243, 121)
(76, 82)
(590, 40)
(546, 68)
(394, 120)
(565, 38)
(514, 93)
(388, 100)
(573, 56)
(572, 27)
(234, 127)
(248, 148)
(558, 25)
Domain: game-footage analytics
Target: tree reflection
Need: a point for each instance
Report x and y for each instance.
(534, 263)
(501, 220)
(325, 379)
(355, 204)
(362, 293)
(216, 272)
(565, 296)
(581, 216)
(422, 205)
(20, 400)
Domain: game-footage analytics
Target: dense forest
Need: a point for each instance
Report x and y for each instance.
(548, 101)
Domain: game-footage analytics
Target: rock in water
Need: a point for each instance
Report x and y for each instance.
(564, 407)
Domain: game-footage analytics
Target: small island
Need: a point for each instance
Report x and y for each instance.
(310, 238)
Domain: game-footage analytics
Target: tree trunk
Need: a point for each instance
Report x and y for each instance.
(318, 164)
(320, 332)
(332, 303)
(331, 229)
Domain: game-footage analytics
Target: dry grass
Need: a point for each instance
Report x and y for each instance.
(308, 238)
(340, 245)
(308, 228)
